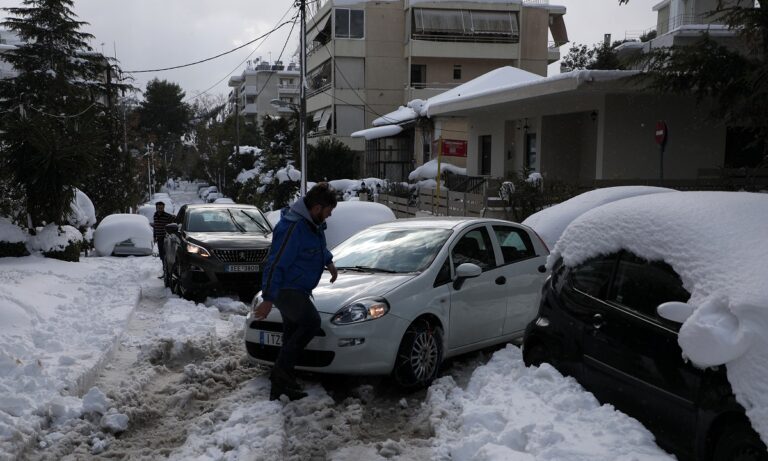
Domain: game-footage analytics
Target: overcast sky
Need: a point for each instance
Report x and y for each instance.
(151, 34)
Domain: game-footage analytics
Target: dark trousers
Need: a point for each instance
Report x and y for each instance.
(300, 324)
(161, 250)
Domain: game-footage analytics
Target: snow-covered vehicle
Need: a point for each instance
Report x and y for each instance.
(658, 305)
(123, 235)
(413, 292)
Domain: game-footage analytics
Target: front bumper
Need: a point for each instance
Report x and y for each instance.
(375, 355)
(210, 275)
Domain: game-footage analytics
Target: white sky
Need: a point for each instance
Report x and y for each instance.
(148, 34)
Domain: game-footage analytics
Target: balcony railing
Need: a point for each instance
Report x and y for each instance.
(477, 38)
(288, 86)
(675, 23)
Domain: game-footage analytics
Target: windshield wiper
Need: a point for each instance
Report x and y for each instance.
(367, 269)
(263, 228)
(241, 228)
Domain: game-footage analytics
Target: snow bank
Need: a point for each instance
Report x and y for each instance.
(148, 211)
(58, 324)
(551, 222)
(513, 412)
(716, 242)
(429, 170)
(117, 228)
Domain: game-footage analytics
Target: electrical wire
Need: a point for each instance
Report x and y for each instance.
(192, 98)
(212, 57)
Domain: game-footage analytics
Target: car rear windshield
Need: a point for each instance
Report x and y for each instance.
(227, 220)
(391, 250)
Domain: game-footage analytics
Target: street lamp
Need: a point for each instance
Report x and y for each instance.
(279, 103)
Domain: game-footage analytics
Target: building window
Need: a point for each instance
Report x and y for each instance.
(418, 75)
(349, 23)
(485, 143)
(457, 72)
(530, 151)
(465, 25)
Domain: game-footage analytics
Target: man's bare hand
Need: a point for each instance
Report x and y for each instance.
(333, 271)
(262, 310)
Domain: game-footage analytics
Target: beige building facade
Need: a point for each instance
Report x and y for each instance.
(254, 90)
(365, 59)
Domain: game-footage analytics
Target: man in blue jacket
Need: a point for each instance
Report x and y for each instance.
(294, 266)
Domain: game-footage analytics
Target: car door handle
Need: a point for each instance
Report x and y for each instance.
(501, 280)
(597, 321)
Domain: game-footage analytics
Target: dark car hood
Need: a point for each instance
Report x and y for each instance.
(222, 240)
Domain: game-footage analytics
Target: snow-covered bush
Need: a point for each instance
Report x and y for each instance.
(57, 242)
(12, 239)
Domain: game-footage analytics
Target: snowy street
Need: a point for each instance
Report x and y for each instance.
(107, 363)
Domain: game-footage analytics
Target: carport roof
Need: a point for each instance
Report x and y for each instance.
(582, 80)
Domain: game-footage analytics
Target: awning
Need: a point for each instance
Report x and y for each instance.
(557, 27)
(315, 31)
(324, 119)
(378, 132)
(316, 116)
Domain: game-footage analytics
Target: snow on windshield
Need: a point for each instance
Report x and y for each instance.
(551, 222)
(716, 242)
(117, 228)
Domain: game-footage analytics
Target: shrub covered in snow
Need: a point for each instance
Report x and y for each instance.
(57, 242)
(12, 239)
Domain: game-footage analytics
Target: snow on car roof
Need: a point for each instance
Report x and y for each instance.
(716, 242)
(550, 222)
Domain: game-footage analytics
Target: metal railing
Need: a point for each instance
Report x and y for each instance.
(469, 38)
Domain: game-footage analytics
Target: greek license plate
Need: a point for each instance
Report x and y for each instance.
(270, 338)
(243, 268)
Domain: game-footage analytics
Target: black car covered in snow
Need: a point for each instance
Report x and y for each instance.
(216, 249)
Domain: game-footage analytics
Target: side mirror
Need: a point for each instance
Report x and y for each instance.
(675, 311)
(172, 228)
(465, 271)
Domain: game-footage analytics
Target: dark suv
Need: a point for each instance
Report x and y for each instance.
(216, 248)
(598, 322)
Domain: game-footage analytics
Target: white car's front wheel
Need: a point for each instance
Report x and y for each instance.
(419, 355)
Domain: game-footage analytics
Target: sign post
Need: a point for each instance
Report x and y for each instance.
(660, 135)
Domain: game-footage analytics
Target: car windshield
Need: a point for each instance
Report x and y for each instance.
(390, 250)
(227, 220)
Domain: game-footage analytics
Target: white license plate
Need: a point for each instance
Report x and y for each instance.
(243, 268)
(270, 338)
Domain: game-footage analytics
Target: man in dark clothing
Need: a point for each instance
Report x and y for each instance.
(159, 220)
(294, 266)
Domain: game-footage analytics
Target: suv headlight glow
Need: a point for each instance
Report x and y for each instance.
(361, 311)
(197, 250)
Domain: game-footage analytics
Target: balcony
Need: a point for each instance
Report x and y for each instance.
(288, 88)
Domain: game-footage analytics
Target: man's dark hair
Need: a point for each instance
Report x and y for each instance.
(159, 203)
(320, 194)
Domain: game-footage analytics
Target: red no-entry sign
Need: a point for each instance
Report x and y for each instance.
(661, 133)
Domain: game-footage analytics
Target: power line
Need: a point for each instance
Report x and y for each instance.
(293, 20)
(212, 57)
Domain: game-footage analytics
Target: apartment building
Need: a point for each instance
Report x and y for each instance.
(366, 58)
(260, 83)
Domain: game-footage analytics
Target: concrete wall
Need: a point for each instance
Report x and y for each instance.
(629, 150)
(440, 71)
(534, 34)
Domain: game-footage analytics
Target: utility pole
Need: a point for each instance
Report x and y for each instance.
(303, 96)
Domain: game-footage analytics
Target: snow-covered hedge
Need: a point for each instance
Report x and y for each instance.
(57, 242)
(12, 239)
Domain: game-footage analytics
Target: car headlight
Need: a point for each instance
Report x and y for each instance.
(361, 311)
(197, 250)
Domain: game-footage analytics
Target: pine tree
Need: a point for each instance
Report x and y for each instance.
(51, 111)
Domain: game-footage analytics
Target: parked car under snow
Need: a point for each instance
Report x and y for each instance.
(123, 235)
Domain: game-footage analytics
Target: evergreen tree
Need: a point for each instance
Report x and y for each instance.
(330, 159)
(50, 112)
(600, 56)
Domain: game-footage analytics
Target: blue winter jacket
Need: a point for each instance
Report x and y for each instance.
(298, 255)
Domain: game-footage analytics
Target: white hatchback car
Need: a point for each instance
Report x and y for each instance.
(413, 292)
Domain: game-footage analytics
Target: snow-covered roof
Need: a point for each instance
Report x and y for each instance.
(402, 114)
(551, 222)
(716, 242)
(378, 132)
(429, 170)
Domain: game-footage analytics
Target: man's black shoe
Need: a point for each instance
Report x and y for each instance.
(283, 379)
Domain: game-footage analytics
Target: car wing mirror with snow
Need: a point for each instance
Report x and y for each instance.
(465, 271)
(172, 228)
(675, 311)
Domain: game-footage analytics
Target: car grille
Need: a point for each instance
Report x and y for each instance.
(307, 358)
(242, 256)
